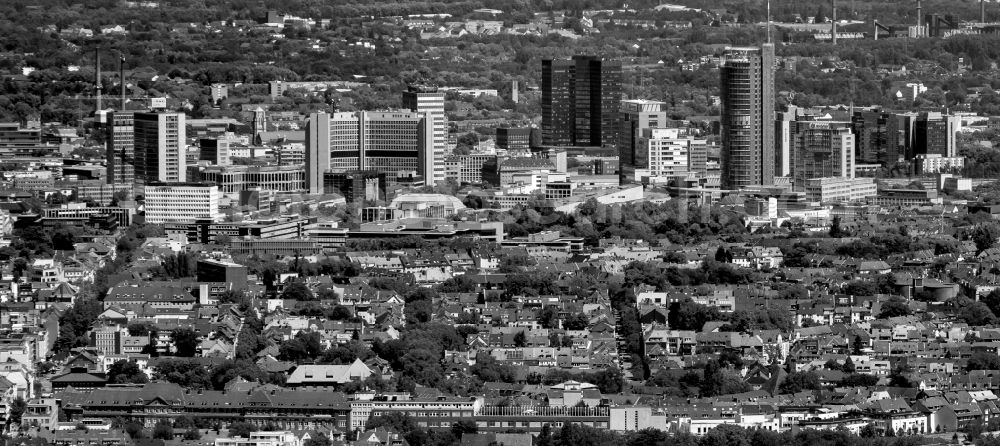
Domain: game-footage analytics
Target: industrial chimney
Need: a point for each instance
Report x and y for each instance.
(121, 78)
(97, 78)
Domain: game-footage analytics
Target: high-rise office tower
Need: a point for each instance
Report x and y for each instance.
(747, 92)
(635, 116)
(581, 101)
(429, 100)
(160, 148)
(382, 142)
(317, 151)
(935, 134)
(120, 149)
(821, 149)
(871, 134)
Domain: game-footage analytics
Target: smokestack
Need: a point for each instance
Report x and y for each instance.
(920, 14)
(982, 11)
(121, 78)
(97, 77)
(833, 32)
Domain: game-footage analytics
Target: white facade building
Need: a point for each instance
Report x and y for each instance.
(181, 202)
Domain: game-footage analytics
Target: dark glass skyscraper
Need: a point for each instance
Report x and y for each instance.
(747, 92)
(580, 101)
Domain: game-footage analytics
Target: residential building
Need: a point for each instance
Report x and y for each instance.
(181, 202)
(935, 163)
(581, 99)
(747, 93)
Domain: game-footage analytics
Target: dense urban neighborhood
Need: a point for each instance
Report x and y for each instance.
(504, 222)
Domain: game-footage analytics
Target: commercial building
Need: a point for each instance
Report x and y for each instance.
(502, 172)
(214, 150)
(839, 189)
(160, 148)
(430, 103)
(906, 197)
(120, 149)
(356, 186)
(206, 231)
(935, 134)
(514, 139)
(636, 115)
(232, 180)
(12, 135)
(821, 149)
(747, 94)
(181, 202)
(667, 152)
(467, 169)
(210, 270)
(385, 142)
(581, 99)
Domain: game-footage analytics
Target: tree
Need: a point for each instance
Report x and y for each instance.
(320, 439)
(857, 345)
(241, 429)
(983, 361)
(163, 430)
(985, 235)
(17, 408)
(192, 434)
(894, 307)
(297, 290)
(799, 381)
(126, 372)
(186, 341)
(835, 229)
(520, 339)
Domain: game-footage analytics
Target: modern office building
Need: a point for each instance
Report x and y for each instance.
(466, 169)
(120, 148)
(839, 189)
(581, 101)
(635, 116)
(386, 142)
(515, 139)
(170, 202)
(935, 134)
(234, 179)
(160, 148)
(821, 149)
(747, 93)
(12, 135)
(667, 151)
(356, 186)
(211, 270)
(430, 102)
(214, 150)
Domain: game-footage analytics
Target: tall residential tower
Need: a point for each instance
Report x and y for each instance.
(427, 100)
